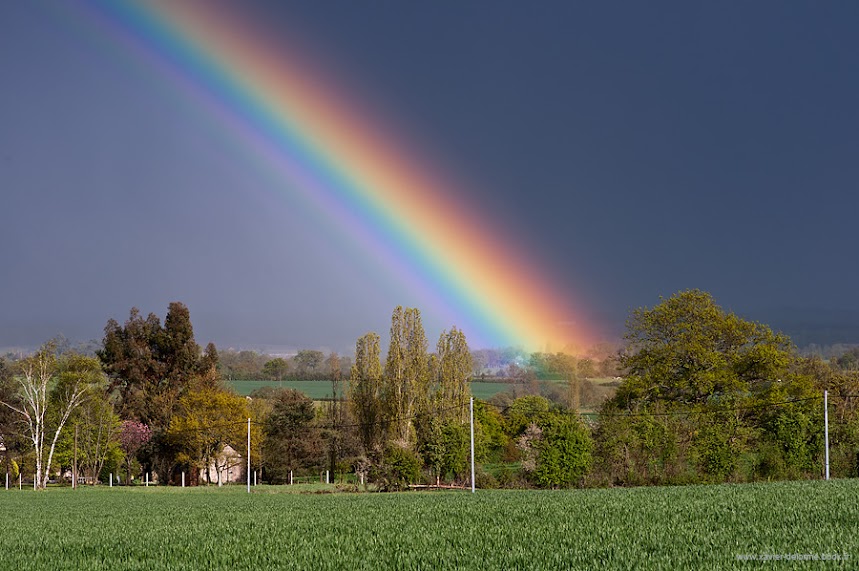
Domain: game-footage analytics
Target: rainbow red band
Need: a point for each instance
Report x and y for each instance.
(337, 159)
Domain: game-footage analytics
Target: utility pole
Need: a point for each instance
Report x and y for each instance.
(75, 461)
(826, 427)
(471, 416)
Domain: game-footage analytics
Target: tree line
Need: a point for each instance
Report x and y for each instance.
(705, 396)
(306, 364)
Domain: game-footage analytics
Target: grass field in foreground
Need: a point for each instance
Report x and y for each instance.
(695, 527)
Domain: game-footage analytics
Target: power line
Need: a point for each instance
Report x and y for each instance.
(387, 421)
(382, 422)
(391, 420)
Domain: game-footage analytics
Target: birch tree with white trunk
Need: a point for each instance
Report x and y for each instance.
(50, 390)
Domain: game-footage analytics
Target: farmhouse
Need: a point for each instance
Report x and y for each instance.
(225, 468)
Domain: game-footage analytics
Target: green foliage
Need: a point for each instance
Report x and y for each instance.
(687, 349)
(710, 398)
(447, 449)
(151, 367)
(406, 375)
(553, 365)
(275, 369)
(113, 462)
(646, 447)
(490, 439)
(453, 370)
(365, 391)
(307, 361)
(178, 351)
(400, 468)
(564, 452)
(849, 360)
(799, 440)
(13, 470)
(208, 420)
(242, 365)
(587, 369)
(50, 390)
(291, 442)
(485, 480)
(718, 445)
(524, 411)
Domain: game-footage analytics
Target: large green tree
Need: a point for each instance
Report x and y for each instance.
(708, 396)
(178, 350)
(689, 350)
(131, 357)
(207, 420)
(308, 362)
(276, 369)
(291, 441)
(151, 367)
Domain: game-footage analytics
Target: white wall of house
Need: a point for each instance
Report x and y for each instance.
(225, 468)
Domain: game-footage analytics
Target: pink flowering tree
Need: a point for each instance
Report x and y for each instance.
(132, 436)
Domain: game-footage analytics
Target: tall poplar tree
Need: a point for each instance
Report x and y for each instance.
(365, 390)
(454, 366)
(406, 374)
(334, 435)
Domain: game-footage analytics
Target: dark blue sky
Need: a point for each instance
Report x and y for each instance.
(638, 148)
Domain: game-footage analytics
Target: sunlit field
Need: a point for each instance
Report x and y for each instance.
(801, 525)
(320, 390)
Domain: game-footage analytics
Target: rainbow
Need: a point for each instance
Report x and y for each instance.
(346, 164)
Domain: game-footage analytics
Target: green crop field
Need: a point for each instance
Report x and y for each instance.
(794, 525)
(485, 391)
(318, 390)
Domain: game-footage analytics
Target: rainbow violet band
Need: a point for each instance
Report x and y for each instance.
(341, 162)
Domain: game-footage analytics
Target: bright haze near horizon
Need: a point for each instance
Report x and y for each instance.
(637, 149)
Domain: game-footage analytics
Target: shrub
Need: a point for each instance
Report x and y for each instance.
(485, 481)
(400, 468)
(564, 452)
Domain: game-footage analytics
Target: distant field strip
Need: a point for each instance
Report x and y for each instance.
(802, 525)
(316, 390)
(319, 390)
